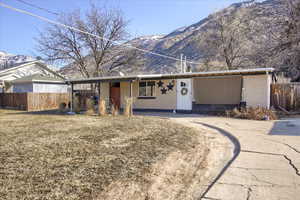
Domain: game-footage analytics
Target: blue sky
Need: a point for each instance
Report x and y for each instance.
(147, 17)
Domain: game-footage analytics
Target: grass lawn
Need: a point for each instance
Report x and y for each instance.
(88, 157)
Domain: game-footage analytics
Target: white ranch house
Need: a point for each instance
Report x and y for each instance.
(187, 92)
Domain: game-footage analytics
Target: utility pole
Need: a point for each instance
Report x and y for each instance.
(181, 63)
(185, 64)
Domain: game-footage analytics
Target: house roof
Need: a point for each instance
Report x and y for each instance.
(243, 72)
(24, 64)
(38, 78)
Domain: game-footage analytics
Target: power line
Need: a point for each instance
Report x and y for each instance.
(96, 36)
(38, 7)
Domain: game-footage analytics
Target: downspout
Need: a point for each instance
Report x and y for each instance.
(269, 90)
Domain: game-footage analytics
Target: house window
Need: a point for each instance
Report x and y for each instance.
(147, 89)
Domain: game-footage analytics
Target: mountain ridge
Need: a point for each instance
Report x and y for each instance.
(8, 60)
(184, 40)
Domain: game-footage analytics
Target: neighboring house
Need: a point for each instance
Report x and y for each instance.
(188, 92)
(22, 70)
(38, 83)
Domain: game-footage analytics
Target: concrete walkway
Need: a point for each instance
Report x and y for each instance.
(267, 165)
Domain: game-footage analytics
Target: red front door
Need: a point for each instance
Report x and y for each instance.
(115, 95)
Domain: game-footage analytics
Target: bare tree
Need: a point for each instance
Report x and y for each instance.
(288, 47)
(92, 56)
(266, 35)
(279, 37)
(226, 40)
(208, 53)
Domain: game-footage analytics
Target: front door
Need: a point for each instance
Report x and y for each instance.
(184, 94)
(115, 94)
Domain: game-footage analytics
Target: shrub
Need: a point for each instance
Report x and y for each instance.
(114, 110)
(90, 107)
(102, 107)
(128, 107)
(62, 107)
(251, 113)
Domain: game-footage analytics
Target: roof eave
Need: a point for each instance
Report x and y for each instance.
(259, 71)
(37, 81)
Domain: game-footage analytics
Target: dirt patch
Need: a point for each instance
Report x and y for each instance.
(84, 157)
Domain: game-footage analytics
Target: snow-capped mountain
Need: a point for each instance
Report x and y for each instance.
(185, 40)
(9, 60)
(147, 42)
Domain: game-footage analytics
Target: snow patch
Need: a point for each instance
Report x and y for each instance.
(8, 60)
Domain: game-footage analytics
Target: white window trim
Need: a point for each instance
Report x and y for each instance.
(154, 92)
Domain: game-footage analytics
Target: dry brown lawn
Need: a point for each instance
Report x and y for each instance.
(87, 157)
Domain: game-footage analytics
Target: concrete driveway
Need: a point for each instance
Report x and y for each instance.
(262, 164)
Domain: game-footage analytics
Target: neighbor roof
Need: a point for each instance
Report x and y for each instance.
(38, 78)
(24, 64)
(256, 71)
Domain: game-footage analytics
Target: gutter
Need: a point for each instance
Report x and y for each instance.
(248, 72)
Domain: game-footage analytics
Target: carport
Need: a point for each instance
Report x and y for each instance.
(217, 93)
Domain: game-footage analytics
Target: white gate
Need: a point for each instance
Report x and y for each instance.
(184, 94)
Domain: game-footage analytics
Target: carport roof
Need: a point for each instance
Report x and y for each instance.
(244, 72)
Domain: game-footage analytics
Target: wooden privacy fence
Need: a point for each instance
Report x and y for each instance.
(33, 101)
(286, 96)
(14, 100)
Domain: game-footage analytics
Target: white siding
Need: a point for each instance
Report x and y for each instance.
(160, 102)
(50, 88)
(257, 90)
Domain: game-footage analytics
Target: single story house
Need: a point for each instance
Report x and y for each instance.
(38, 83)
(187, 92)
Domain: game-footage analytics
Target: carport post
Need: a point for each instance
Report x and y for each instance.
(99, 85)
(72, 97)
(130, 95)
(99, 88)
(130, 90)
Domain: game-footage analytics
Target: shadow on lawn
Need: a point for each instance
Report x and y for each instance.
(287, 127)
(22, 112)
(164, 114)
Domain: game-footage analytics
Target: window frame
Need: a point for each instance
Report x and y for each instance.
(147, 90)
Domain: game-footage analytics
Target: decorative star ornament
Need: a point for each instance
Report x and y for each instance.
(160, 84)
(170, 86)
(164, 90)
